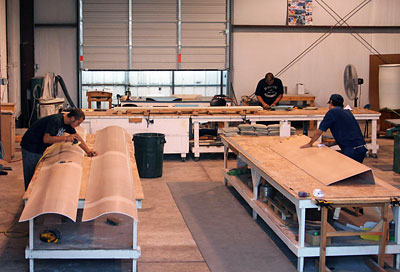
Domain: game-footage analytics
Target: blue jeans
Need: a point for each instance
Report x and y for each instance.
(357, 154)
(29, 161)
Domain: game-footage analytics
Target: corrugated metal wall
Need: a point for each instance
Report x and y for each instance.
(154, 34)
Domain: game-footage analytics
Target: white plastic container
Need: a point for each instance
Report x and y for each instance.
(389, 86)
(300, 88)
(284, 129)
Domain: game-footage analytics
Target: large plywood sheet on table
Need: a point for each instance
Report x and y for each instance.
(110, 187)
(258, 150)
(55, 188)
(322, 163)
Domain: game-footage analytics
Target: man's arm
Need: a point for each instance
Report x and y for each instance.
(83, 145)
(263, 104)
(279, 98)
(48, 139)
(315, 137)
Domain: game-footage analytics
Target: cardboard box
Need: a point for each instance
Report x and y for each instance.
(313, 239)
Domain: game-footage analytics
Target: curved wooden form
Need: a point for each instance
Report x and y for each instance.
(110, 187)
(56, 188)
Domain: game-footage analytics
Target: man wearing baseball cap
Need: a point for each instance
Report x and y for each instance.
(344, 128)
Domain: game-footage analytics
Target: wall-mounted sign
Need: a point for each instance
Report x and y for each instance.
(299, 12)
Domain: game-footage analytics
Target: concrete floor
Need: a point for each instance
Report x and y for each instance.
(165, 240)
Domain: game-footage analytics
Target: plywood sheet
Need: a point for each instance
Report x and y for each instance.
(322, 163)
(110, 188)
(56, 187)
(293, 179)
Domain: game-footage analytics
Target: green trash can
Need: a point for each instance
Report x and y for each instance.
(396, 154)
(149, 151)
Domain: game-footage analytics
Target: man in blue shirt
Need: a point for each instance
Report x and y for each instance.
(344, 128)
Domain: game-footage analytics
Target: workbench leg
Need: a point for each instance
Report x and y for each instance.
(320, 138)
(382, 241)
(134, 243)
(300, 264)
(226, 150)
(31, 261)
(373, 137)
(301, 218)
(396, 218)
(322, 240)
(312, 104)
(134, 234)
(183, 157)
(196, 129)
(305, 127)
(256, 178)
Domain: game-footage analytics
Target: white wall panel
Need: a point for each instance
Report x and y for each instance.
(3, 50)
(321, 71)
(259, 12)
(46, 12)
(13, 57)
(273, 12)
(55, 51)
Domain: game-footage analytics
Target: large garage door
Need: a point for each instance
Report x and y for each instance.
(154, 34)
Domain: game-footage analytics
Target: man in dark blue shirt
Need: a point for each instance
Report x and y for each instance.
(269, 91)
(344, 128)
(47, 131)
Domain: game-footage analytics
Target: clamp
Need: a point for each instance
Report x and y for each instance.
(323, 203)
(395, 201)
(244, 118)
(148, 121)
(50, 236)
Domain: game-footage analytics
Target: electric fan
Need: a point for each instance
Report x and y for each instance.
(351, 83)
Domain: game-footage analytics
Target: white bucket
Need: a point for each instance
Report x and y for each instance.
(300, 88)
(389, 86)
(284, 129)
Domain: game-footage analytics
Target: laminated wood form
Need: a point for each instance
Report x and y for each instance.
(290, 170)
(66, 181)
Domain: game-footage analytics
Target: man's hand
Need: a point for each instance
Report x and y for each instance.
(91, 153)
(70, 138)
(306, 145)
(266, 106)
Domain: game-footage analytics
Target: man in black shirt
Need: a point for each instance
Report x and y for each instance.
(269, 91)
(47, 131)
(344, 128)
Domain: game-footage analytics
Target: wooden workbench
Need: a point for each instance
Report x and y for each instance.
(93, 239)
(162, 119)
(279, 116)
(98, 97)
(267, 159)
(308, 99)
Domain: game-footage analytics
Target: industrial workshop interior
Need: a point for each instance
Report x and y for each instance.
(188, 135)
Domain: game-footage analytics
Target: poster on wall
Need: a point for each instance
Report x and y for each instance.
(299, 12)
